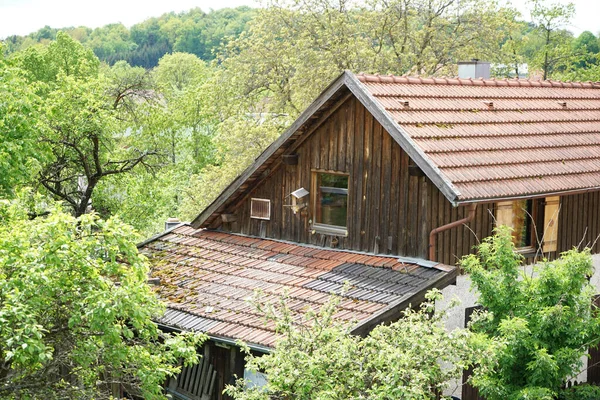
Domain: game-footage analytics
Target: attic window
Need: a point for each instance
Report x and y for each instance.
(330, 202)
(260, 209)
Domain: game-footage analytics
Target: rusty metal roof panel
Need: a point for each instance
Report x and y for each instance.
(208, 289)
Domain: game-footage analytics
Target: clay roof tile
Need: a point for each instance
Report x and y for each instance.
(212, 294)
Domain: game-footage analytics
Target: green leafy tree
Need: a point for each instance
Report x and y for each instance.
(588, 45)
(184, 120)
(317, 358)
(175, 122)
(21, 154)
(76, 311)
(540, 323)
(550, 21)
(85, 130)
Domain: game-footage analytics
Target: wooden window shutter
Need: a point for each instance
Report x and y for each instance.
(551, 224)
(504, 213)
(260, 208)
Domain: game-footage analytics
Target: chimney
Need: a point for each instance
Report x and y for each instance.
(474, 69)
(172, 223)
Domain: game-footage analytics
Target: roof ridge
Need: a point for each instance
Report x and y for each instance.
(502, 82)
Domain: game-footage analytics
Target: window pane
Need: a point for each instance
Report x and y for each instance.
(522, 223)
(332, 199)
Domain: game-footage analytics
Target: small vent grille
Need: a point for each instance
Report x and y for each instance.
(260, 208)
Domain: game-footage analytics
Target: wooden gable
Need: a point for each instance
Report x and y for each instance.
(392, 205)
(398, 190)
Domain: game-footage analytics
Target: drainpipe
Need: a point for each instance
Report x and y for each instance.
(433, 233)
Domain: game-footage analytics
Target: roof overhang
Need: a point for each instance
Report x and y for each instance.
(528, 196)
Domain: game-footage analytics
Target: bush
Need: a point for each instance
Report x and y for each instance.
(583, 392)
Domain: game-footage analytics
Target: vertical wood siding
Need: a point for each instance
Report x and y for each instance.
(390, 210)
(579, 222)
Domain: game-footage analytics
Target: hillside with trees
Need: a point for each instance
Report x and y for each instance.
(194, 32)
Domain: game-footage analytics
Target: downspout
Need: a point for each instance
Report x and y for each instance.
(433, 233)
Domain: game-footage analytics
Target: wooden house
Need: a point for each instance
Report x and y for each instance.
(424, 167)
(385, 182)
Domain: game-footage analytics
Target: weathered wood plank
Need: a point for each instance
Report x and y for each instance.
(374, 203)
(359, 139)
(386, 190)
(366, 222)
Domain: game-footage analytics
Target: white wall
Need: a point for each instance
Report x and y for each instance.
(468, 298)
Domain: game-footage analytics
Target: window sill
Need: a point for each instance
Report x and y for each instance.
(330, 230)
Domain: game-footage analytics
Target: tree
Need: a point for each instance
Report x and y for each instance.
(83, 125)
(550, 21)
(183, 119)
(317, 358)
(21, 154)
(175, 123)
(589, 46)
(540, 323)
(76, 311)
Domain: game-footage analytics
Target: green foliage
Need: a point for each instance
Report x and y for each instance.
(319, 358)
(64, 56)
(582, 392)
(76, 312)
(293, 49)
(21, 154)
(555, 52)
(146, 43)
(83, 119)
(540, 323)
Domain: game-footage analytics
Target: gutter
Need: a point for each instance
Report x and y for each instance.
(434, 232)
(528, 196)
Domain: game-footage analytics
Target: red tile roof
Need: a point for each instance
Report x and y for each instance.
(476, 139)
(499, 138)
(207, 276)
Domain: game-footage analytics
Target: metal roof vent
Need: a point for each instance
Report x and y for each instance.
(474, 69)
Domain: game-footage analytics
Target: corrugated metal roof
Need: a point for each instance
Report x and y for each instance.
(207, 277)
(499, 138)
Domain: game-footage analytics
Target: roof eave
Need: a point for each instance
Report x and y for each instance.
(528, 196)
(220, 339)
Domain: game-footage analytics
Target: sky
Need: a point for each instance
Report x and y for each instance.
(20, 17)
